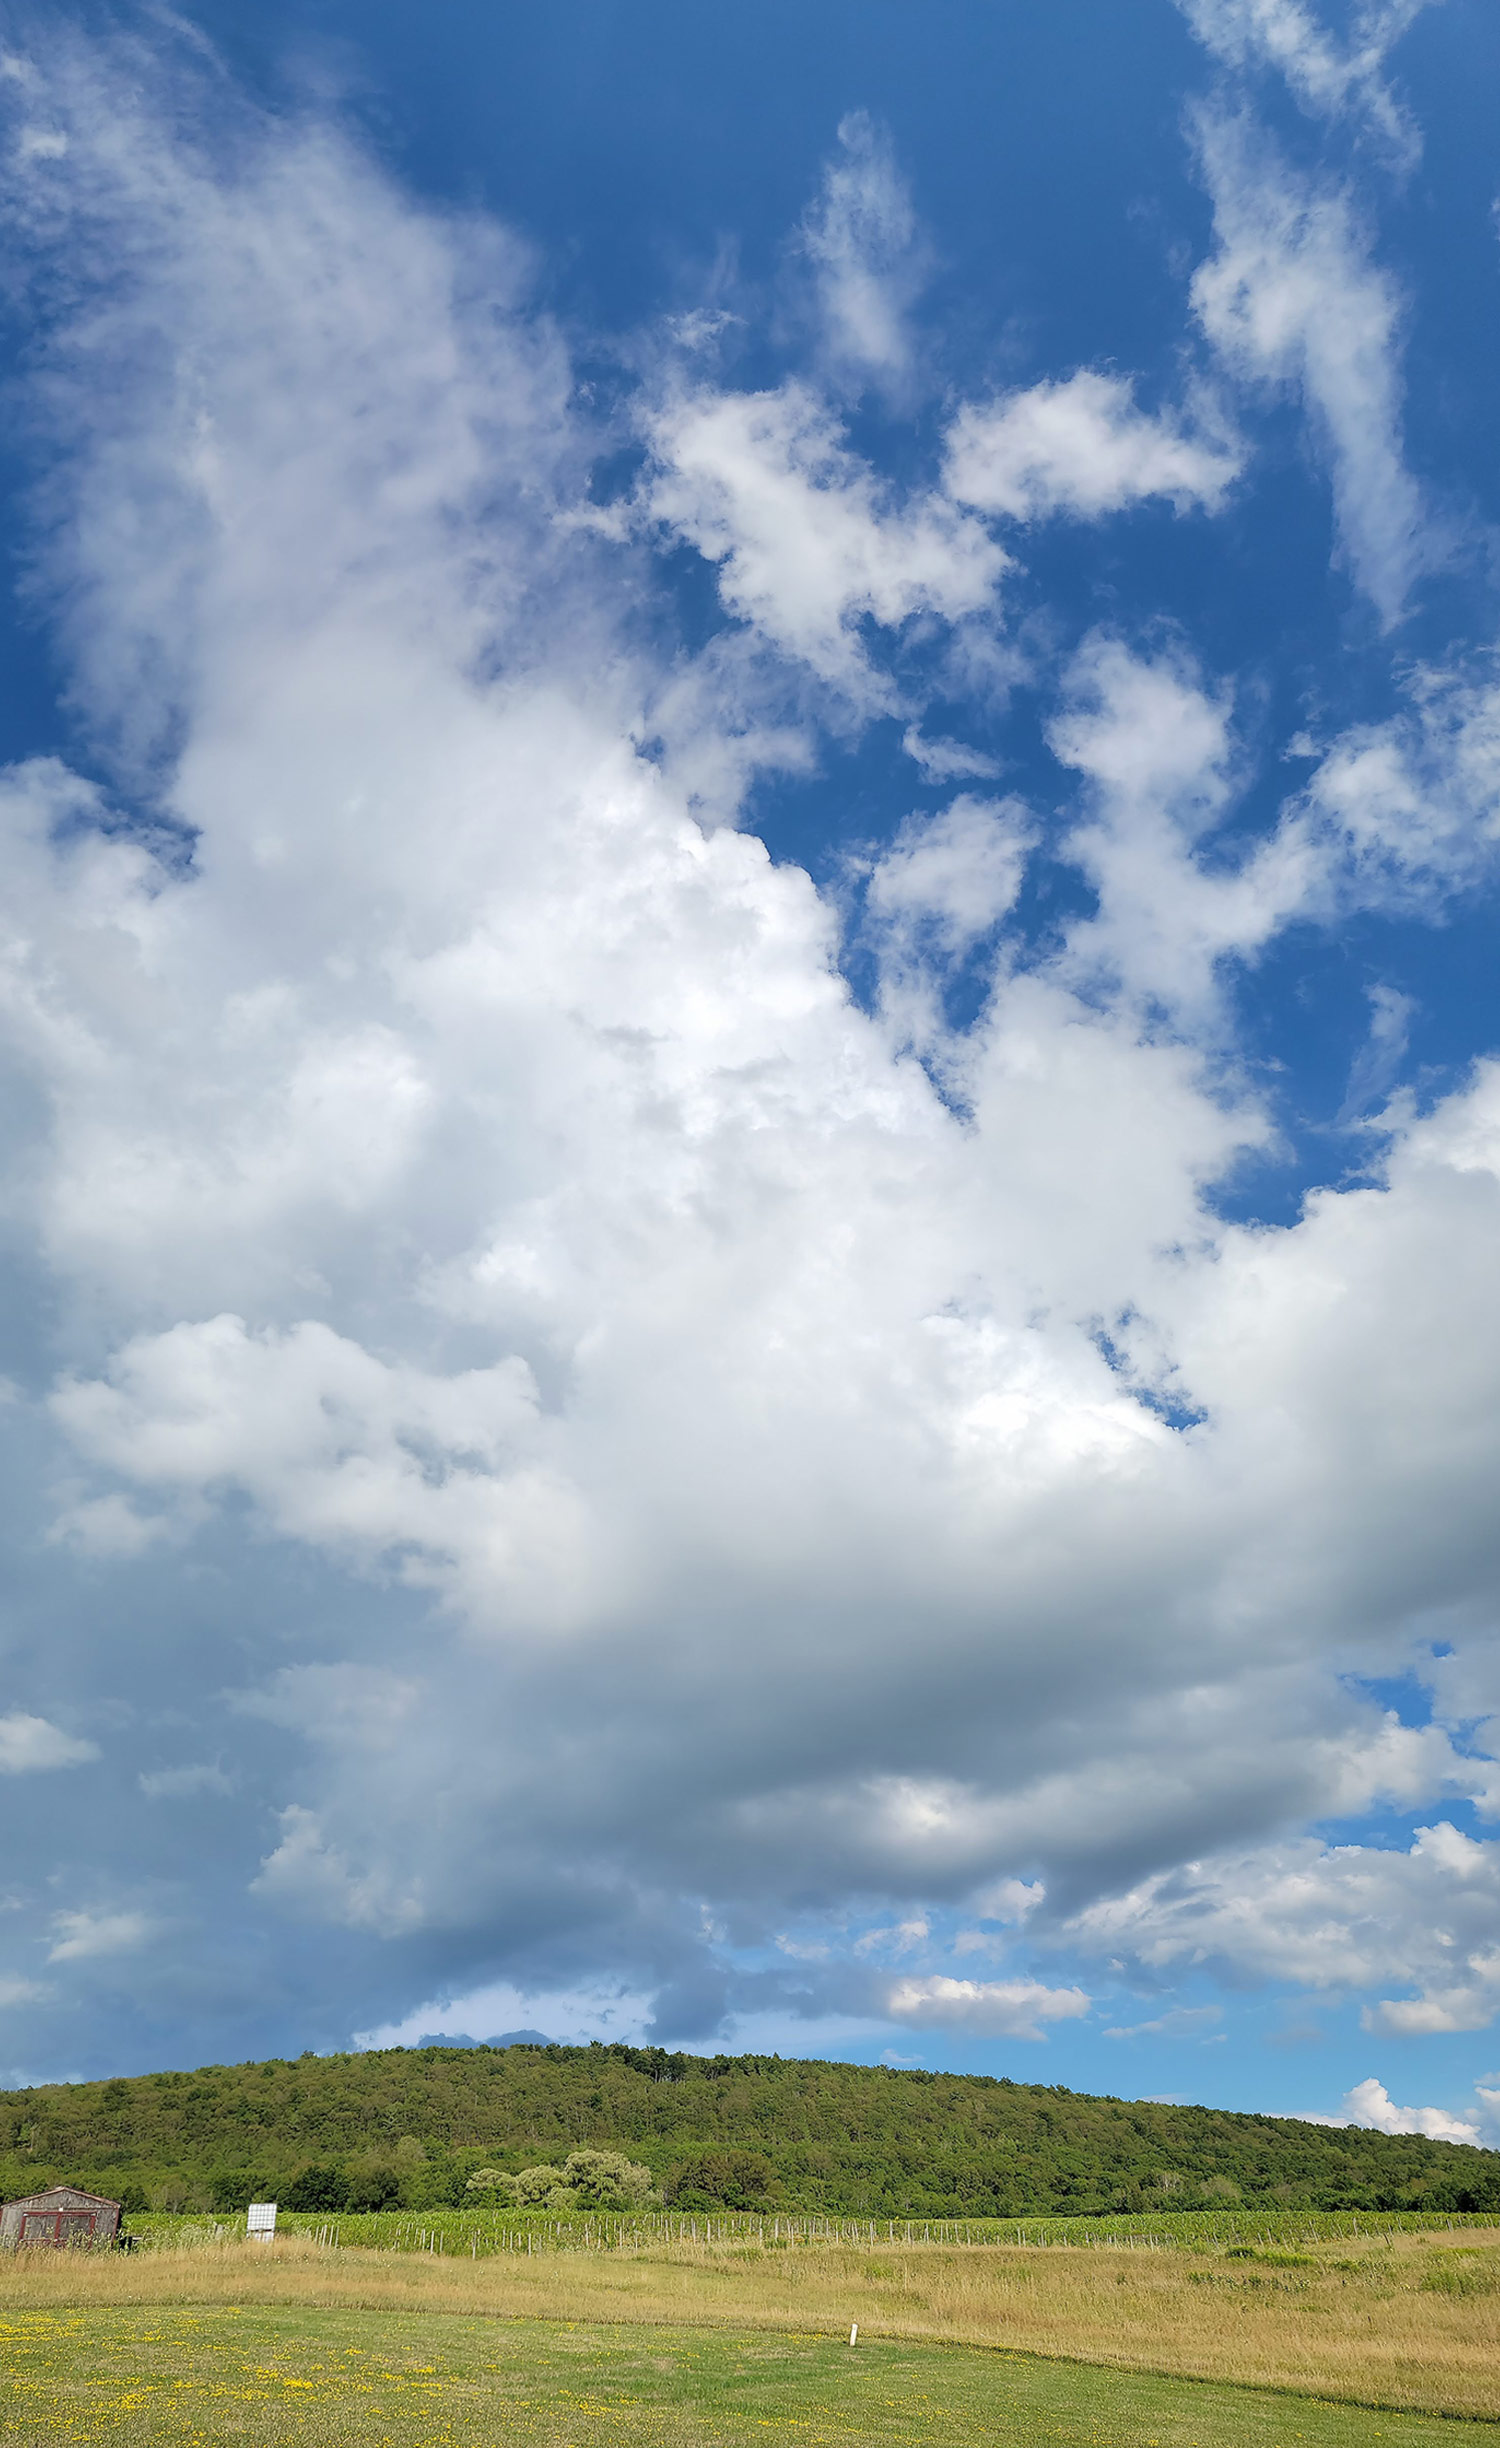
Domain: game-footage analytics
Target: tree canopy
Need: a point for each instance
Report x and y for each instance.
(611, 2126)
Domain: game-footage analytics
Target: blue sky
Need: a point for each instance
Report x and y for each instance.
(751, 806)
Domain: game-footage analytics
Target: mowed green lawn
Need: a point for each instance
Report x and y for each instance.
(401, 2380)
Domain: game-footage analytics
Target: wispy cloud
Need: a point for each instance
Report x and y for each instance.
(1293, 297)
(868, 258)
(81, 1936)
(1376, 1066)
(1178, 2023)
(185, 1784)
(1329, 79)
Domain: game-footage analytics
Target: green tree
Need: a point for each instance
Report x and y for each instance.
(607, 2180)
(729, 2180)
(317, 2188)
(536, 2186)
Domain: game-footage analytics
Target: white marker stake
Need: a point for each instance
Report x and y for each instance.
(853, 2331)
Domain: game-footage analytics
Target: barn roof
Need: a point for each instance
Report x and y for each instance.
(61, 2197)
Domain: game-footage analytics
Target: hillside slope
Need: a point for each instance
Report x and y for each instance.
(408, 2126)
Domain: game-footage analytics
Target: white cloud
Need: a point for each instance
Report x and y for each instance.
(1414, 801)
(1016, 2009)
(83, 1935)
(1343, 1917)
(41, 144)
(106, 1527)
(14, 1991)
(359, 1708)
(942, 760)
(576, 2014)
(897, 1940)
(31, 1743)
(336, 1445)
(312, 1879)
(1008, 1900)
(808, 544)
(1395, 816)
(643, 1438)
(1155, 747)
(1375, 1067)
(951, 876)
(1328, 79)
(868, 259)
(1084, 448)
(1470, 2007)
(1292, 297)
(1369, 2103)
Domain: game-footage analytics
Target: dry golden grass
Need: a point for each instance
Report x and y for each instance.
(1406, 2321)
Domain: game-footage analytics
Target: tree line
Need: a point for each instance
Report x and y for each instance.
(411, 2128)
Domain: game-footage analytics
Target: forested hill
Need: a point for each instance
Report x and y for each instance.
(408, 2126)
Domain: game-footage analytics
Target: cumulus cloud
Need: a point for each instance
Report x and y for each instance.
(1081, 447)
(511, 2014)
(1344, 1917)
(807, 543)
(1009, 1899)
(1293, 298)
(665, 1463)
(335, 1445)
(953, 875)
(29, 1743)
(1414, 801)
(1369, 2103)
(1017, 2010)
(308, 1876)
(1154, 744)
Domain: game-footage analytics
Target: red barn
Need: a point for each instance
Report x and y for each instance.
(61, 2215)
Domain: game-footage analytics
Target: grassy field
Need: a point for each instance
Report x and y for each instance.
(172, 2378)
(1403, 2321)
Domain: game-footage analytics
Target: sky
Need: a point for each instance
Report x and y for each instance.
(751, 1183)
